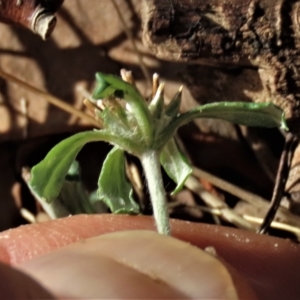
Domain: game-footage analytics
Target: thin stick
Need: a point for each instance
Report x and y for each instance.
(230, 188)
(51, 99)
(246, 196)
(277, 225)
(280, 182)
(212, 201)
(131, 38)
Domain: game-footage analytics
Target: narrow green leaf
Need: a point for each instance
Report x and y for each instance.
(48, 176)
(249, 114)
(175, 164)
(113, 187)
(173, 107)
(110, 85)
(156, 106)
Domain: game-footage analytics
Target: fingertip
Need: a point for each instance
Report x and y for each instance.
(15, 285)
(129, 264)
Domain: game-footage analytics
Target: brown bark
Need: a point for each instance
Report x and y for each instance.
(263, 34)
(259, 37)
(37, 15)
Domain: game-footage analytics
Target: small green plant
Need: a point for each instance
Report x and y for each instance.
(144, 129)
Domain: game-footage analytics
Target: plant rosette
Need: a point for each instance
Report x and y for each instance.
(144, 129)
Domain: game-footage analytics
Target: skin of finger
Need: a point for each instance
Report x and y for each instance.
(16, 285)
(133, 264)
(270, 265)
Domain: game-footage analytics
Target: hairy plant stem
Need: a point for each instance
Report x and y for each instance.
(151, 166)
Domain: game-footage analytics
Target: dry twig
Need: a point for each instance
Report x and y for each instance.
(50, 98)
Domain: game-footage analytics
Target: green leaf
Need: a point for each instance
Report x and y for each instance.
(113, 187)
(114, 124)
(173, 107)
(73, 195)
(175, 164)
(156, 106)
(249, 114)
(47, 177)
(55, 209)
(113, 86)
